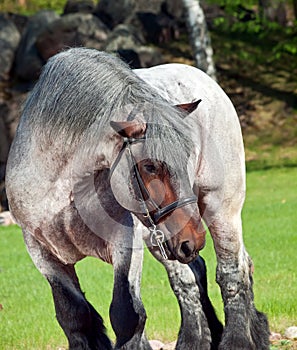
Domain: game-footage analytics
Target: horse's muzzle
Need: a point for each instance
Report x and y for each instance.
(187, 251)
(186, 244)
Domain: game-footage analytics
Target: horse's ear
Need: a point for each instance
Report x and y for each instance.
(188, 107)
(129, 129)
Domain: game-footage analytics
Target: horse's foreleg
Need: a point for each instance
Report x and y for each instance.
(198, 267)
(194, 332)
(82, 325)
(245, 327)
(127, 313)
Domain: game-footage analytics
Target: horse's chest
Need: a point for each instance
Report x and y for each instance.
(68, 238)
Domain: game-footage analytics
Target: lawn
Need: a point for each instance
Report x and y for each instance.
(27, 319)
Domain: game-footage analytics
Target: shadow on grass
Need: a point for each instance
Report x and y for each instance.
(262, 165)
(290, 98)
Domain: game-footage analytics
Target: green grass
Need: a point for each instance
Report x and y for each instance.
(27, 318)
(270, 225)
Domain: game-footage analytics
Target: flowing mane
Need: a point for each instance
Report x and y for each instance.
(79, 92)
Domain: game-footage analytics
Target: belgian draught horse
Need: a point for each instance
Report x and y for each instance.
(101, 150)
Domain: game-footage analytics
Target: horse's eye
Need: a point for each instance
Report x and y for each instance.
(150, 168)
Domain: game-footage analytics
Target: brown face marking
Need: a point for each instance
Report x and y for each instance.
(158, 182)
(161, 187)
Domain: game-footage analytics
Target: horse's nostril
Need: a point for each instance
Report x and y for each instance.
(186, 248)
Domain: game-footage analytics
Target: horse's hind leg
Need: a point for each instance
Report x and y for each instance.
(127, 313)
(81, 323)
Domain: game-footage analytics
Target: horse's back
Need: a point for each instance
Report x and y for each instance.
(179, 83)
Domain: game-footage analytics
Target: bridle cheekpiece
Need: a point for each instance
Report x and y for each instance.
(157, 236)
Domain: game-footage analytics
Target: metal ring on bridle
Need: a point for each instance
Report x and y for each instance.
(156, 235)
(157, 238)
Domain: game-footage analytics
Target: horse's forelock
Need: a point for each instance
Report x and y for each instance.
(168, 137)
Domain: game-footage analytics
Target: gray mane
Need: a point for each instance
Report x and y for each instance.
(78, 93)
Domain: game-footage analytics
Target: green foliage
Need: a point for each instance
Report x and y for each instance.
(282, 344)
(30, 7)
(27, 318)
(236, 23)
(233, 4)
(288, 45)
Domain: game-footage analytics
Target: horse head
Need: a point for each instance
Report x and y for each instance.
(160, 196)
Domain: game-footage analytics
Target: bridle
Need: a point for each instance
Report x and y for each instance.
(157, 213)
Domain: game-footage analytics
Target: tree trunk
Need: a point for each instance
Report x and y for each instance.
(199, 37)
(295, 8)
(273, 11)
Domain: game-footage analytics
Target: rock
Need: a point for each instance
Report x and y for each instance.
(157, 28)
(156, 344)
(291, 333)
(28, 60)
(81, 6)
(9, 41)
(4, 148)
(170, 346)
(149, 56)
(3, 198)
(128, 44)
(122, 37)
(9, 118)
(6, 218)
(10, 112)
(76, 29)
(275, 336)
(156, 20)
(114, 12)
(4, 142)
(174, 9)
(20, 21)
